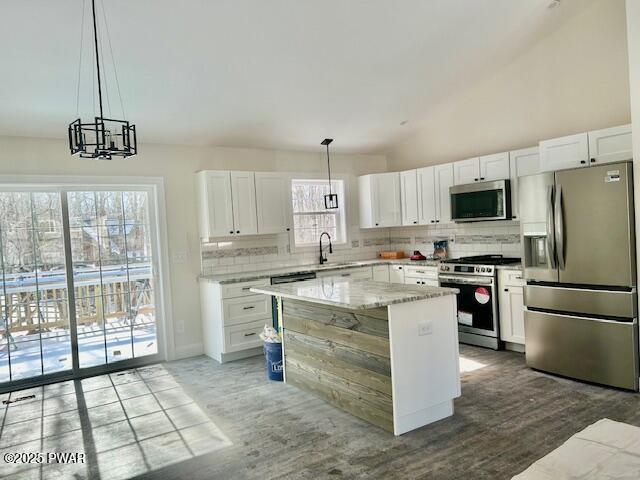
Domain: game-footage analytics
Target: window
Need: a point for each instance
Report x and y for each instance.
(310, 218)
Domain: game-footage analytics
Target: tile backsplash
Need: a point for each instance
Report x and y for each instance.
(480, 238)
(262, 252)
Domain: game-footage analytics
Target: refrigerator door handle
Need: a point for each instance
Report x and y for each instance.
(559, 221)
(551, 252)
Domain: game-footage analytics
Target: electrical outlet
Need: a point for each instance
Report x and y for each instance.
(425, 327)
(180, 326)
(180, 257)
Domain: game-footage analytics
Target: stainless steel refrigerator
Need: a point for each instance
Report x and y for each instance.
(578, 237)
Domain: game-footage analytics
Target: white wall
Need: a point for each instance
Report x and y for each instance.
(633, 34)
(573, 80)
(177, 165)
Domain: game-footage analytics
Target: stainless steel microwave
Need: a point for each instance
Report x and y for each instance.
(476, 202)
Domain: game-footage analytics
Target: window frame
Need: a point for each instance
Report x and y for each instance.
(344, 205)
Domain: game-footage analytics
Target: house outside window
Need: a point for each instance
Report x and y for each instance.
(311, 218)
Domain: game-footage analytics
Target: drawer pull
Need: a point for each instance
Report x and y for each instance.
(249, 308)
(519, 277)
(246, 289)
(249, 334)
(346, 274)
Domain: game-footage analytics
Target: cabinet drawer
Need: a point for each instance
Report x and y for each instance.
(362, 272)
(242, 337)
(512, 278)
(421, 272)
(421, 281)
(246, 309)
(233, 290)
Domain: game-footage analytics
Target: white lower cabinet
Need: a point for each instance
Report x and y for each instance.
(511, 306)
(365, 273)
(232, 319)
(421, 275)
(381, 273)
(243, 336)
(396, 273)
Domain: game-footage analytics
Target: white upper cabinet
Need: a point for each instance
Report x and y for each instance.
(466, 171)
(564, 152)
(426, 195)
(481, 169)
(243, 191)
(494, 167)
(214, 204)
(610, 145)
(273, 202)
(379, 196)
(409, 197)
(522, 162)
(226, 203)
(443, 179)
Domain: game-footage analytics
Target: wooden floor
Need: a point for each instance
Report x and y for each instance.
(508, 417)
(196, 419)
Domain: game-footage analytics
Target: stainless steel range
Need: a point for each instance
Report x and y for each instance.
(477, 280)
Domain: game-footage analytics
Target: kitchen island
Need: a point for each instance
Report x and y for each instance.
(386, 353)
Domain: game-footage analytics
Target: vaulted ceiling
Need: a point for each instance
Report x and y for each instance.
(256, 73)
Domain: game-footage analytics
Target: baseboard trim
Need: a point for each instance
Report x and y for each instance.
(514, 347)
(186, 351)
(251, 352)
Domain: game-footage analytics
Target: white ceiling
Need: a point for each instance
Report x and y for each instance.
(276, 73)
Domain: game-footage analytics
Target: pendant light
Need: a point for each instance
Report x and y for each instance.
(105, 137)
(331, 199)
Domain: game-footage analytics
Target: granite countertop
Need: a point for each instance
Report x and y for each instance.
(238, 277)
(511, 266)
(354, 294)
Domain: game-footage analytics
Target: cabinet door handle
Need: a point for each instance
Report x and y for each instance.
(415, 221)
(246, 289)
(237, 231)
(433, 221)
(506, 289)
(593, 160)
(288, 229)
(583, 162)
(481, 178)
(249, 334)
(475, 179)
(249, 308)
(519, 277)
(376, 224)
(437, 221)
(231, 232)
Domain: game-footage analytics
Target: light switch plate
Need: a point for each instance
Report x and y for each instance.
(425, 327)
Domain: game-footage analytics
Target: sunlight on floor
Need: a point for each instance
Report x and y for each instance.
(126, 424)
(468, 365)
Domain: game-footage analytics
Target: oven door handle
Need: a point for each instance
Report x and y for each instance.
(467, 280)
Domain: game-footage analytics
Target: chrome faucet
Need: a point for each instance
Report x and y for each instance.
(323, 257)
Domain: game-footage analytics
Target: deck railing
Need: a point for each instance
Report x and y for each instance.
(38, 302)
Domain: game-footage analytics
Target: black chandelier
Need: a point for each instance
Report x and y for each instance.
(105, 137)
(331, 199)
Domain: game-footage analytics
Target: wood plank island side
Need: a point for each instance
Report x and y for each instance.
(375, 363)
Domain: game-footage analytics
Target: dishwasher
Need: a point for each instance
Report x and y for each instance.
(293, 277)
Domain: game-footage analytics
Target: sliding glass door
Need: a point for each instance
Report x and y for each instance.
(34, 305)
(77, 283)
